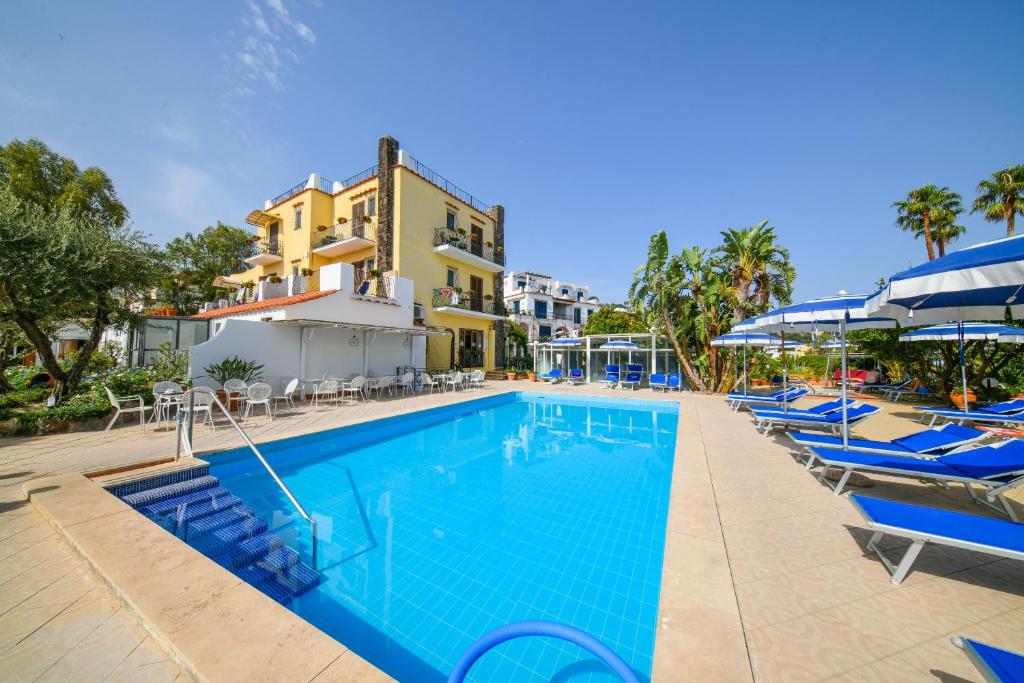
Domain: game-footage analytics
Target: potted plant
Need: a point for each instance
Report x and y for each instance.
(274, 279)
(342, 220)
(461, 231)
(306, 272)
(233, 368)
(248, 284)
(500, 250)
(489, 244)
(374, 272)
(474, 237)
(489, 297)
(254, 239)
(321, 228)
(533, 376)
(511, 374)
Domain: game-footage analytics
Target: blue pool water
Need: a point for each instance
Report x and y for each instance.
(439, 526)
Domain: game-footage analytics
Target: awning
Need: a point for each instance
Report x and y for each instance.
(260, 219)
(226, 283)
(414, 331)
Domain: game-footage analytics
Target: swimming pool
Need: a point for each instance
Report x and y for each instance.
(438, 526)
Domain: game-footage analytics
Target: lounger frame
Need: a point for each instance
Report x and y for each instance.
(898, 570)
(765, 424)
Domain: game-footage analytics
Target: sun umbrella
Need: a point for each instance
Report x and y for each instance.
(620, 345)
(746, 339)
(961, 332)
(566, 341)
(975, 283)
(842, 312)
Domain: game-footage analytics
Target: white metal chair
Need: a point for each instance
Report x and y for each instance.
(476, 379)
(202, 402)
(137, 405)
(405, 382)
(428, 381)
(354, 389)
(325, 391)
(383, 383)
(289, 394)
(454, 381)
(166, 395)
(258, 394)
(235, 390)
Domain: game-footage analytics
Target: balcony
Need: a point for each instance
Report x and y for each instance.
(265, 253)
(371, 284)
(451, 300)
(343, 238)
(460, 246)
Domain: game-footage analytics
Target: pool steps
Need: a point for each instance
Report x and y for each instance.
(197, 509)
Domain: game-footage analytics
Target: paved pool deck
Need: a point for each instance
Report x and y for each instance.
(766, 575)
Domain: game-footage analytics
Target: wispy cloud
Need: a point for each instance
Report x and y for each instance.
(271, 33)
(176, 132)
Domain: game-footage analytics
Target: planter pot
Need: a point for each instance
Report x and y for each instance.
(511, 376)
(957, 397)
(533, 377)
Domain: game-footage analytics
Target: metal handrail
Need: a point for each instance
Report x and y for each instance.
(252, 446)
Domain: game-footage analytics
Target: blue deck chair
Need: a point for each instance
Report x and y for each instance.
(364, 288)
(634, 373)
(894, 395)
(1007, 412)
(665, 382)
(820, 409)
(611, 376)
(737, 401)
(832, 422)
(995, 664)
(928, 525)
(886, 388)
(924, 444)
(552, 375)
(575, 376)
(996, 469)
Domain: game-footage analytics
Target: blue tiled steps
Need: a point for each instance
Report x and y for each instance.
(216, 523)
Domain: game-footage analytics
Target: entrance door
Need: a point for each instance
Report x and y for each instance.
(471, 348)
(476, 243)
(274, 234)
(476, 285)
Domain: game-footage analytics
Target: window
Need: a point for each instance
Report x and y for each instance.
(515, 306)
(540, 309)
(453, 277)
(577, 316)
(590, 312)
(545, 331)
(544, 288)
(579, 295)
(565, 291)
(358, 211)
(298, 216)
(450, 220)
(471, 348)
(521, 284)
(371, 206)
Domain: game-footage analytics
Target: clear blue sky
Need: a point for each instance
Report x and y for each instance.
(595, 124)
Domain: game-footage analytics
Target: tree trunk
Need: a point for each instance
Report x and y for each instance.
(682, 354)
(1010, 221)
(942, 248)
(66, 382)
(5, 386)
(926, 217)
(44, 353)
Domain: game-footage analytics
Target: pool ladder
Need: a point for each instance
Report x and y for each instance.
(185, 440)
(549, 629)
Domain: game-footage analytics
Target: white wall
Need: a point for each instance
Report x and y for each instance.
(274, 346)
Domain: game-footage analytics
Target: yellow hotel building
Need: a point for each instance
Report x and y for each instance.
(397, 218)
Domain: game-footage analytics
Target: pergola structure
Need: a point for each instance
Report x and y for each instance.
(654, 355)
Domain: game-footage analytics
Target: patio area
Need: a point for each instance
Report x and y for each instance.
(766, 572)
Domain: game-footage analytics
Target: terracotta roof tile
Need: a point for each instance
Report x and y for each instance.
(263, 305)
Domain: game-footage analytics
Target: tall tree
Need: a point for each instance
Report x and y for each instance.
(1001, 196)
(191, 262)
(917, 211)
(945, 229)
(609, 320)
(67, 255)
(758, 268)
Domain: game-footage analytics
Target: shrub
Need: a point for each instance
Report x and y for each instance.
(23, 397)
(170, 366)
(234, 368)
(125, 382)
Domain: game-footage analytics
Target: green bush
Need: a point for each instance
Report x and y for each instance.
(125, 382)
(23, 397)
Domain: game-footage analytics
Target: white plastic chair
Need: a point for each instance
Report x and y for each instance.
(428, 381)
(454, 381)
(326, 391)
(202, 402)
(289, 394)
(405, 383)
(235, 390)
(166, 395)
(354, 389)
(258, 394)
(382, 384)
(137, 406)
(475, 378)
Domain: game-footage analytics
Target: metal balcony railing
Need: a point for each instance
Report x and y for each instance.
(360, 177)
(364, 283)
(267, 247)
(451, 297)
(440, 181)
(343, 231)
(460, 239)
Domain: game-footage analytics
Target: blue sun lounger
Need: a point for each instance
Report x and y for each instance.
(634, 373)
(575, 376)
(996, 469)
(830, 422)
(611, 376)
(820, 409)
(776, 398)
(995, 664)
(924, 444)
(666, 382)
(928, 525)
(1007, 412)
(885, 388)
(553, 375)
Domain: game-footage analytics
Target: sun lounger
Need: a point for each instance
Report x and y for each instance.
(779, 398)
(1007, 412)
(665, 382)
(552, 375)
(886, 388)
(923, 444)
(928, 525)
(996, 469)
(611, 376)
(820, 409)
(894, 395)
(831, 422)
(995, 664)
(634, 373)
(575, 376)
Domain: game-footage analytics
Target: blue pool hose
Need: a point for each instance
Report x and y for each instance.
(550, 629)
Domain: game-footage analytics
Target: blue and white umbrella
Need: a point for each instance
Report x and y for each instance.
(746, 339)
(748, 325)
(961, 332)
(841, 312)
(565, 341)
(620, 344)
(975, 283)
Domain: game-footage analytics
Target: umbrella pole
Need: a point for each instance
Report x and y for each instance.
(842, 392)
(963, 360)
(744, 369)
(785, 382)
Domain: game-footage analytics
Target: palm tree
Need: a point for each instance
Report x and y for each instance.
(1001, 196)
(915, 213)
(758, 267)
(945, 230)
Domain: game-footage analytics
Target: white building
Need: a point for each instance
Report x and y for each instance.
(547, 308)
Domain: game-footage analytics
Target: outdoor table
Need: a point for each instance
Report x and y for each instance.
(163, 402)
(315, 382)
